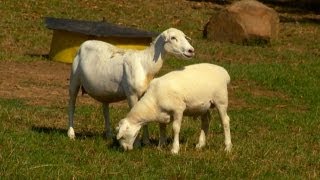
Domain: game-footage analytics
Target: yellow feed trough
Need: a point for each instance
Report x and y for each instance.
(68, 35)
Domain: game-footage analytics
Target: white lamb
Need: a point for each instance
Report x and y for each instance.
(190, 91)
(110, 74)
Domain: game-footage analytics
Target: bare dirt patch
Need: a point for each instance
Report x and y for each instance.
(38, 83)
(46, 83)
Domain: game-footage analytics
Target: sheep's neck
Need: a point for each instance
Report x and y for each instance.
(144, 111)
(155, 54)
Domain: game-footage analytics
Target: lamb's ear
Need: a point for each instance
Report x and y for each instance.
(117, 128)
(121, 128)
(165, 36)
(188, 38)
(119, 135)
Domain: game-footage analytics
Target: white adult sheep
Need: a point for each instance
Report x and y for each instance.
(110, 74)
(190, 91)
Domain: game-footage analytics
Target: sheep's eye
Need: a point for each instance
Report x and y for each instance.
(173, 38)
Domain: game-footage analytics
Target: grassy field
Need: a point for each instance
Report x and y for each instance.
(274, 100)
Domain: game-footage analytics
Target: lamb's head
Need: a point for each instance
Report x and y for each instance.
(127, 133)
(176, 42)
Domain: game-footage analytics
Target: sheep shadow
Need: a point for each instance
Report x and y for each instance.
(297, 7)
(290, 6)
(35, 55)
(54, 130)
(112, 143)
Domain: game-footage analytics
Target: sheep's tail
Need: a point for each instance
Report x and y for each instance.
(75, 65)
(75, 62)
(228, 78)
(75, 70)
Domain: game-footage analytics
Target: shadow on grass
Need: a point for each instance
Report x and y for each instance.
(53, 130)
(34, 55)
(111, 143)
(293, 6)
(154, 142)
(302, 20)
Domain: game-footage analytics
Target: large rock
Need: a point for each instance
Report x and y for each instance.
(242, 22)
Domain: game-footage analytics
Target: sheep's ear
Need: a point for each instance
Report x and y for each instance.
(166, 36)
(117, 128)
(120, 132)
(121, 129)
(119, 135)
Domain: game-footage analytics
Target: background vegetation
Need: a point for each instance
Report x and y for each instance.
(274, 100)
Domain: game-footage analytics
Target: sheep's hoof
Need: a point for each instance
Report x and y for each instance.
(228, 148)
(137, 143)
(174, 151)
(162, 144)
(146, 141)
(71, 133)
(200, 146)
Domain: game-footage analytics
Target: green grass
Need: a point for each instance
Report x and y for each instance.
(275, 127)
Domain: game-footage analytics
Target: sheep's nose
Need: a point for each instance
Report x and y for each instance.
(191, 51)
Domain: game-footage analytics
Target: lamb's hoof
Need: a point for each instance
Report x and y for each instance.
(71, 133)
(228, 148)
(200, 146)
(162, 142)
(161, 145)
(174, 151)
(146, 141)
(137, 143)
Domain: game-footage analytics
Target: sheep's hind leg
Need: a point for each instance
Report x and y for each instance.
(73, 92)
(205, 120)
(225, 120)
(108, 131)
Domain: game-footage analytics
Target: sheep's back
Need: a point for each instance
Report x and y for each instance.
(193, 85)
(194, 77)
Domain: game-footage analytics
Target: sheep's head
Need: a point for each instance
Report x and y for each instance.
(176, 42)
(127, 133)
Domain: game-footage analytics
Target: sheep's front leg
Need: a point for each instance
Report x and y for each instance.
(132, 100)
(107, 124)
(225, 120)
(205, 120)
(177, 118)
(163, 136)
(145, 135)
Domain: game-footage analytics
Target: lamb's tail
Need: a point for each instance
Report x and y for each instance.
(228, 78)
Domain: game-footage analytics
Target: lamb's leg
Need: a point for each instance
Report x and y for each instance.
(145, 135)
(107, 125)
(205, 119)
(163, 136)
(225, 120)
(73, 92)
(176, 125)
